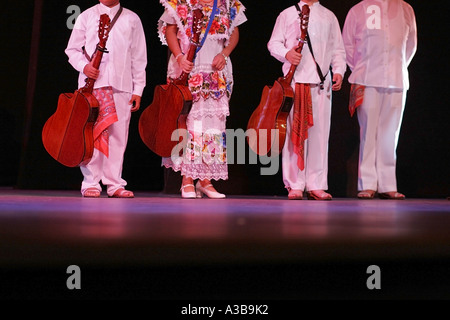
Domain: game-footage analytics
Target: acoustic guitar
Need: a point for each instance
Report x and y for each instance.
(266, 127)
(68, 134)
(162, 120)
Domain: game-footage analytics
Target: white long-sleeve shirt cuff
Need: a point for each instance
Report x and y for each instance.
(138, 90)
(80, 66)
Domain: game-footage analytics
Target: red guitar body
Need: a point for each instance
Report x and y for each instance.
(269, 119)
(167, 113)
(67, 134)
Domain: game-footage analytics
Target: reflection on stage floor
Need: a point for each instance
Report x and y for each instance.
(162, 246)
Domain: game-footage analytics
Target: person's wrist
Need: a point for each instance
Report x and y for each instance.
(224, 56)
(179, 55)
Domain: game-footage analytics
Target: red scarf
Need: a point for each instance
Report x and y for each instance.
(106, 116)
(356, 97)
(303, 120)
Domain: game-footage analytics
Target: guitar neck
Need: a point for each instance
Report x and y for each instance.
(304, 20)
(290, 75)
(104, 28)
(96, 60)
(194, 44)
(182, 79)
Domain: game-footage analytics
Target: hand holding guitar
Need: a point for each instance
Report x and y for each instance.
(184, 63)
(90, 71)
(293, 56)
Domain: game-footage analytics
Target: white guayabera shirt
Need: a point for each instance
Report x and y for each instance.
(326, 40)
(123, 67)
(380, 38)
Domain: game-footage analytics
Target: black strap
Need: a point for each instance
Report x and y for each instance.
(319, 71)
(115, 18)
(111, 25)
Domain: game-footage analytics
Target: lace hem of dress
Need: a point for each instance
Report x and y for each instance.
(199, 171)
(210, 108)
(218, 113)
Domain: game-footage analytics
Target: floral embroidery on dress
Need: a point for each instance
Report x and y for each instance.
(209, 84)
(208, 148)
(220, 25)
(235, 9)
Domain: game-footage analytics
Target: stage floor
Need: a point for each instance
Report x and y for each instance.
(159, 246)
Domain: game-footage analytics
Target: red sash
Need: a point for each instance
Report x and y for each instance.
(356, 97)
(303, 120)
(106, 116)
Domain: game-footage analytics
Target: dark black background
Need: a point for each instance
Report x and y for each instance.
(423, 151)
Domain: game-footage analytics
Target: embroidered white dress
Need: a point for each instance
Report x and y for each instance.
(205, 154)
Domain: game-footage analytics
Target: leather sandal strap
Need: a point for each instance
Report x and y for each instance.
(91, 192)
(366, 193)
(122, 192)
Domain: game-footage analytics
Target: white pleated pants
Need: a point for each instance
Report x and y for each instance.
(380, 118)
(315, 174)
(108, 170)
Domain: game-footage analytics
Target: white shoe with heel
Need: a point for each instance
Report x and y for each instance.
(188, 194)
(200, 190)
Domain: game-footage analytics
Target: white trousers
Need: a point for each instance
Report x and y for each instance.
(380, 118)
(315, 174)
(108, 170)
